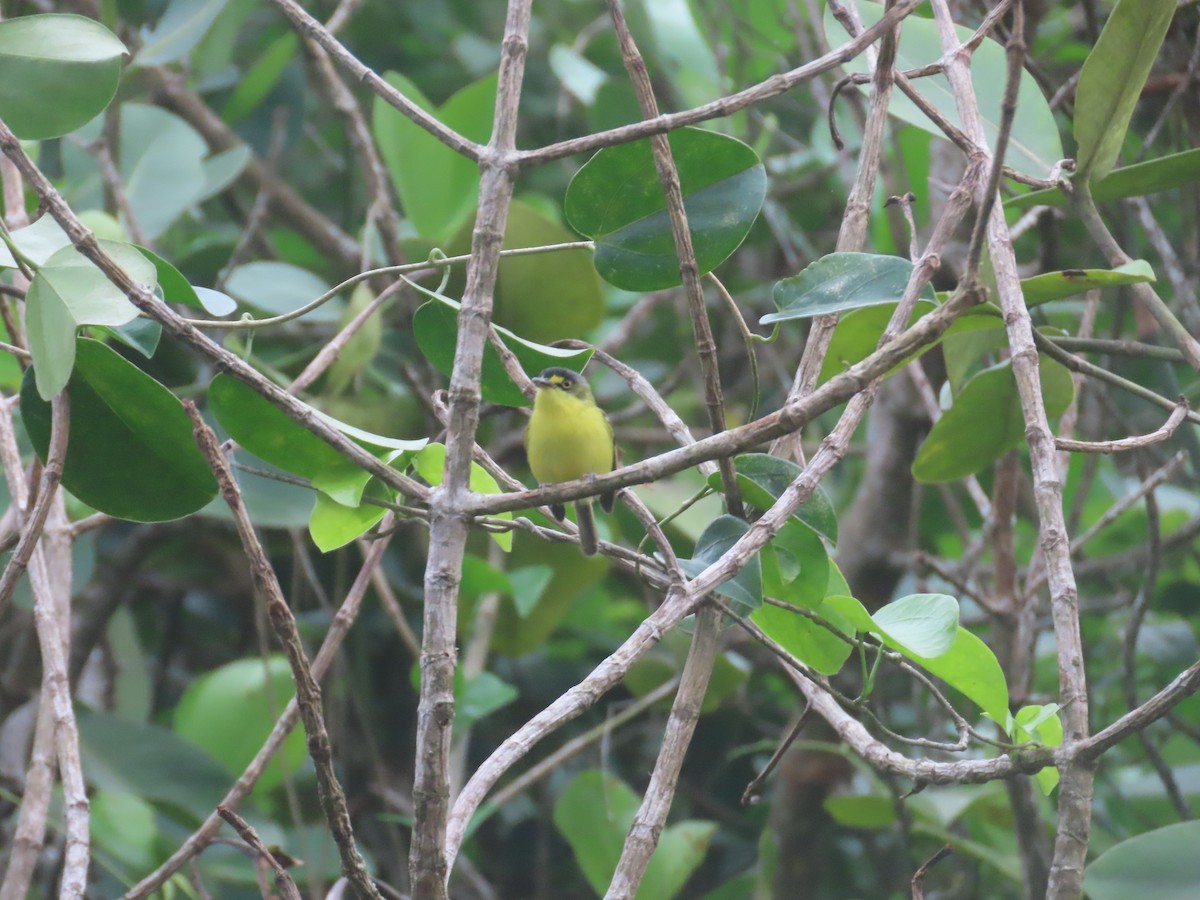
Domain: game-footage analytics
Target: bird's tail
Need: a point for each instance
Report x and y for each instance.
(585, 519)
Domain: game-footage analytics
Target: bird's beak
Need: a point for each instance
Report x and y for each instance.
(540, 382)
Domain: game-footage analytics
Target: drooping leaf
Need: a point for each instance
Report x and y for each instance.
(838, 283)
(617, 201)
(986, 422)
(745, 588)
(1056, 285)
(1162, 864)
(435, 327)
(152, 763)
(1034, 145)
(763, 478)
(181, 28)
(438, 188)
(1111, 80)
(278, 288)
(267, 432)
(334, 525)
(57, 72)
(131, 452)
(1138, 180)
(230, 711)
(594, 813)
(925, 624)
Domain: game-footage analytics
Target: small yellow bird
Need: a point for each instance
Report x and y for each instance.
(570, 437)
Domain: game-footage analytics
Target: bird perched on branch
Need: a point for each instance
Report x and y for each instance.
(570, 437)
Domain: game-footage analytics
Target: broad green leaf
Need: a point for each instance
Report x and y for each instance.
(616, 200)
(795, 566)
(131, 452)
(527, 585)
(334, 525)
(986, 422)
(152, 763)
(176, 289)
(1111, 80)
(267, 432)
(546, 296)
(57, 72)
(684, 52)
(438, 188)
(67, 292)
(838, 283)
(924, 624)
(430, 464)
(1161, 864)
(435, 327)
(1056, 285)
(122, 824)
(480, 697)
(1034, 145)
(278, 288)
(862, 810)
(230, 711)
(579, 75)
(261, 77)
(964, 661)
(763, 478)
(161, 166)
(141, 334)
(180, 29)
(811, 643)
(745, 588)
(1138, 180)
(594, 813)
(223, 169)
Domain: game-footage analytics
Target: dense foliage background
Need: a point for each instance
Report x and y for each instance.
(241, 161)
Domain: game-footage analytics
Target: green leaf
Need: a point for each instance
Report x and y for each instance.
(260, 79)
(796, 566)
(438, 188)
(278, 288)
(141, 334)
(1138, 180)
(985, 422)
(578, 74)
(180, 29)
(1161, 864)
(545, 296)
(333, 525)
(527, 585)
(131, 452)
(1034, 145)
(964, 662)
(1042, 725)
(811, 643)
(480, 697)
(57, 72)
(430, 464)
(763, 478)
(745, 588)
(176, 289)
(152, 763)
(267, 432)
(594, 813)
(230, 711)
(1111, 81)
(616, 200)
(435, 327)
(683, 51)
(838, 283)
(1056, 285)
(923, 624)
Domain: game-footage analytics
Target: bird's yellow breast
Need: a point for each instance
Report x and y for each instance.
(567, 438)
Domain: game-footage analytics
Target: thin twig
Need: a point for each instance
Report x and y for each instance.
(1162, 433)
(308, 692)
(283, 881)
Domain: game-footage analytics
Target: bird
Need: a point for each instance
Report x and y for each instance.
(570, 437)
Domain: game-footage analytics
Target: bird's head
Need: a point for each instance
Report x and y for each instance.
(557, 378)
